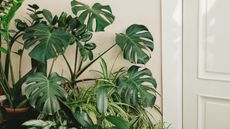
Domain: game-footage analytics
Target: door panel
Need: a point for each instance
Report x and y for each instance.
(206, 67)
(214, 42)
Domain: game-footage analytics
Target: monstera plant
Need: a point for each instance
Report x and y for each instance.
(114, 99)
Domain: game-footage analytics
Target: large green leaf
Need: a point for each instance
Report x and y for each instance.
(100, 14)
(43, 93)
(118, 122)
(83, 118)
(47, 43)
(136, 43)
(138, 87)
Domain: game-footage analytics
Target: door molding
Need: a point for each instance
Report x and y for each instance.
(172, 79)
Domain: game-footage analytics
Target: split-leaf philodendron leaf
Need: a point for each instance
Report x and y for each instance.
(46, 43)
(43, 93)
(136, 44)
(138, 87)
(99, 14)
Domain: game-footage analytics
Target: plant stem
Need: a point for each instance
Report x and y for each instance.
(12, 73)
(8, 63)
(80, 65)
(68, 64)
(20, 64)
(88, 65)
(88, 79)
(52, 65)
(76, 58)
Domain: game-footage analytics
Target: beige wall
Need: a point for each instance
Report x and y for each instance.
(127, 12)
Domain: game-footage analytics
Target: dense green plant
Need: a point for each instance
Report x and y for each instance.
(11, 88)
(116, 99)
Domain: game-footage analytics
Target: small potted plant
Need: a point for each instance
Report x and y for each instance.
(15, 101)
(114, 99)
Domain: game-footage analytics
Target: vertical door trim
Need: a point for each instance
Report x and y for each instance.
(172, 37)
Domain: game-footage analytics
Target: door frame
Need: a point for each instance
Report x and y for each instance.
(172, 62)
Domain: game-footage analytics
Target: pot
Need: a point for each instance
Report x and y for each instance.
(17, 110)
(1, 91)
(11, 112)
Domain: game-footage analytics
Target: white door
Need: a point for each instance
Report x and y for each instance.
(206, 64)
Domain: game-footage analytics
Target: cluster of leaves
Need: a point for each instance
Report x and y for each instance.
(116, 100)
(8, 9)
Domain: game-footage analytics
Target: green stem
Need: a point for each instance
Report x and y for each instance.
(80, 65)
(20, 64)
(75, 70)
(12, 72)
(88, 65)
(52, 65)
(76, 58)
(8, 63)
(68, 64)
(88, 79)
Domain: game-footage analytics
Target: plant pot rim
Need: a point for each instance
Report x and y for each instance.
(16, 110)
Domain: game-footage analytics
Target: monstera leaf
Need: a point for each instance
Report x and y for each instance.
(138, 87)
(43, 93)
(136, 44)
(102, 15)
(47, 43)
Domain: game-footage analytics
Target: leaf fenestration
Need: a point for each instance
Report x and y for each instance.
(100, 15)
(136, 44)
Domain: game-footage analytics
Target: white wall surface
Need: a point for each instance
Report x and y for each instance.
(127, 12)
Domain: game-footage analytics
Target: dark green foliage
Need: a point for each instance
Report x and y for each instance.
(136, 44)
(43, 93)
(47, 43)
(102, 14)
(138, 87)
(115, 100)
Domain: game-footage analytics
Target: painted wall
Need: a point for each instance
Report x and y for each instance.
(127, 12)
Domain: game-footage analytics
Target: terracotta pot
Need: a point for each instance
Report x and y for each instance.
(17, 110)
(11, 112)
(1, 91)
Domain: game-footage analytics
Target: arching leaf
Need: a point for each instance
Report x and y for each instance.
(46, 43)
(119, 122)
(99, 14)
(136, 43)
(43, 93)
(102, 100)
(138, 87)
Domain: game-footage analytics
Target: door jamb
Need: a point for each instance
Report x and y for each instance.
(172, 62)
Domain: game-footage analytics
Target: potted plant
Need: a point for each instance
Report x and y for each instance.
(15, 101)
(115, 99)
